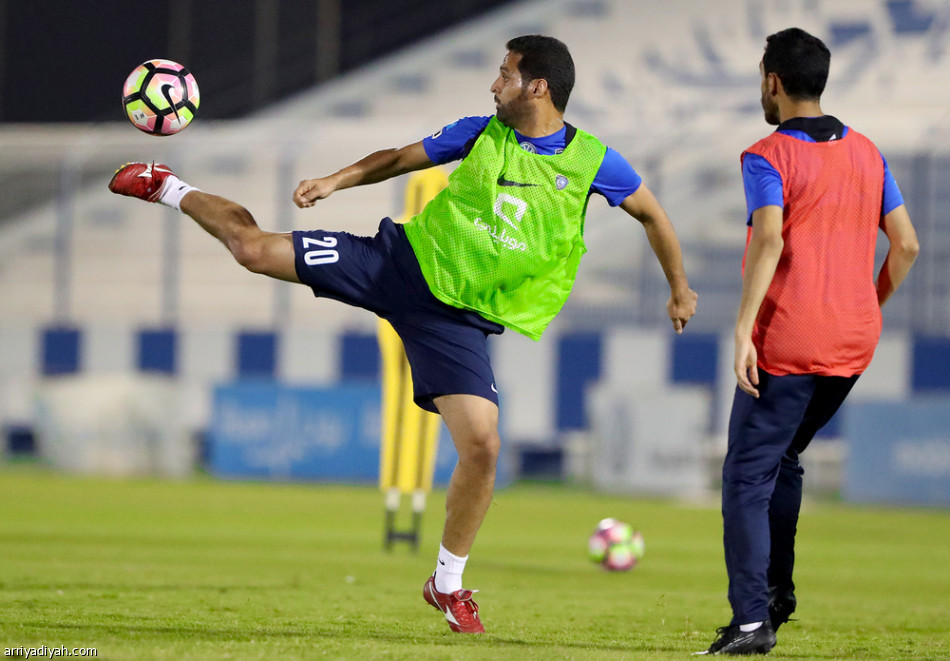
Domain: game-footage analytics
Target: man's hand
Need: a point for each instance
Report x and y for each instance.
(681, 307)
(378, 166)
(746, 365)
(311, 190)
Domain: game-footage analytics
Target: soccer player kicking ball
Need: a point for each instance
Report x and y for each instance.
(499, 247)
(809, 320)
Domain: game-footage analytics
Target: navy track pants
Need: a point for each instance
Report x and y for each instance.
(762, 481)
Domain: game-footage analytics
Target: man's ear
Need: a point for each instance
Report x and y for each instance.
(538, 87)
(773, 83)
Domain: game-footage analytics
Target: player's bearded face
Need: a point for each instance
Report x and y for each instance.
(511, 113)
(512, 102)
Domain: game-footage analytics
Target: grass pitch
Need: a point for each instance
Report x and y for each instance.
(215, 570)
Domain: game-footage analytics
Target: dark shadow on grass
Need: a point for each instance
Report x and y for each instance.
(336, 631)
(199, 632)
(94, 586)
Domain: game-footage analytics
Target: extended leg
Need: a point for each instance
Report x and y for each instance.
(262, 252)
(268, 253)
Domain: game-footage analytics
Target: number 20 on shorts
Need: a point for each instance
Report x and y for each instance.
(322, 256)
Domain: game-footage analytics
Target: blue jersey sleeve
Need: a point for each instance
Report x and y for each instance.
(762, 183)
(616, 179)
(892, 193)
(454, 141)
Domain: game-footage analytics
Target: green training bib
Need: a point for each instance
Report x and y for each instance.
(505, 237)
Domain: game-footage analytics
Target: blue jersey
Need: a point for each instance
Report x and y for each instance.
(763, 183)
(616, 179)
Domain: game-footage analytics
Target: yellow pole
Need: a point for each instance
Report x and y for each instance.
(409, 434)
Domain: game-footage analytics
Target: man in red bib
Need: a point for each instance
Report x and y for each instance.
(808, 323)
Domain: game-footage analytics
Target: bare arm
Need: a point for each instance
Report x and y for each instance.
(378, 166)
(765, 249)
(901, 254)
(644, 206)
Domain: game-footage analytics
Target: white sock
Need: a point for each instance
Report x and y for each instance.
(752, 626)
(173, 190)
(448, 571)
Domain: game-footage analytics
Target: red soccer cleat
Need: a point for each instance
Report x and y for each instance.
(146, 181)
(460, 611)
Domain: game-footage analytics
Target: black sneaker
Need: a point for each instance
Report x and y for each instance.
(781, 604)
(734, 641)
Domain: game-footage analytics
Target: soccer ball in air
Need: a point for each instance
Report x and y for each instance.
(615, 545)
(160, 97)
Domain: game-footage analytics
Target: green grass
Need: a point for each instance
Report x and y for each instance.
(144, 569)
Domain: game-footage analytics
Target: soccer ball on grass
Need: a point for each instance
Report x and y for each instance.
(615, 545)
(160, 97)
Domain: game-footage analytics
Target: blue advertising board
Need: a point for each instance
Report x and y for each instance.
(267, 430)
(898, 452)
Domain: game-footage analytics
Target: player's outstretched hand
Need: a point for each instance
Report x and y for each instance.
(311, 190)
(746, 365)
(681, 307)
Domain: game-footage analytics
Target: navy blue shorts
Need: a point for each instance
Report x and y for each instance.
(447, 347)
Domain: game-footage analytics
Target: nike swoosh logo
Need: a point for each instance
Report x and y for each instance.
(151, 169)
(493, 389)
(441, 562)
(449, 616)
(168, 97)
(507, 182)
(446, 611)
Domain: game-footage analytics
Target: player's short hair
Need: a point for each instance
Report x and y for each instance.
(547, 58)
(800, 60)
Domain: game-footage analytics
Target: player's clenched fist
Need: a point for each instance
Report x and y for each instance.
(681, 306)
(311, 190)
